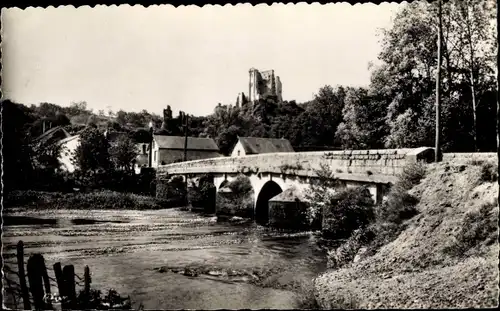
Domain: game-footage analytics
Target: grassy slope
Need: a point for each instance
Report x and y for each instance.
(415, 271)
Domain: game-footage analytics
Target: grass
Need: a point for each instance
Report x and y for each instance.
(479, 227)
(83, 200)
(489, 172)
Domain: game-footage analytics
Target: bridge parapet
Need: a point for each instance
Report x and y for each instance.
(379, 164)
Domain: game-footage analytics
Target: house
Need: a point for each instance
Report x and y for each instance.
(258, 145)
(52, 135)
(170, 149)
(67, 153)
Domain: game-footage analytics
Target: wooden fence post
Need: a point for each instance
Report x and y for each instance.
(69, 283)
(87, 280)
(59, 279)
(22, 275)
(35, 277)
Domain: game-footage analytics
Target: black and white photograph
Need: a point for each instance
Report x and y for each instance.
(284, 156)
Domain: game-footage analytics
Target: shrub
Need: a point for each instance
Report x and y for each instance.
(240, 185)
(411, 175)
(479, 227)
(172, 191)
(95, 300)
(90, 200)
(239, 202)
(320, 194)
(399, 206)
(346, 252)
(489, 172)
(347, 211)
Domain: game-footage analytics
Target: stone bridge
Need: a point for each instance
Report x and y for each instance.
(271, 174)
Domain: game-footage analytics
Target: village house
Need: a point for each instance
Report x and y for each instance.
(169, 149)
(67, 153)
(52, 135)
(258, 145)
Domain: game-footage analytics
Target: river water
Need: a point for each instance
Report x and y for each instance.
(151, 256)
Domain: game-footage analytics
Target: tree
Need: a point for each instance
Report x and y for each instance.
(227, 139)
(472, 18)
(123, 153)
(363, 123)
(406, 79)
(16, 150)
(46, 155)
(92, 153)
(121, 117)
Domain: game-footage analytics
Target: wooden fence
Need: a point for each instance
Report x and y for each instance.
(38, 295)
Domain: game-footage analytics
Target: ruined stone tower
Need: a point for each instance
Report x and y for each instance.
(263, 84)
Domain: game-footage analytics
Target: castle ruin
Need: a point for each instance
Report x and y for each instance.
(263, 84)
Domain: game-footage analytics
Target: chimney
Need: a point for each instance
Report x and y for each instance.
(43, 126)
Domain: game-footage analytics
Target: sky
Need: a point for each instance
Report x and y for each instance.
(191, 58)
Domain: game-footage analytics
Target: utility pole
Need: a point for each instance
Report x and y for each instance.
(185, 135)
(498, 99)
(438, 84)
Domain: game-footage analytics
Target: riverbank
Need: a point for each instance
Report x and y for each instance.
(446, 257)
(102, 199)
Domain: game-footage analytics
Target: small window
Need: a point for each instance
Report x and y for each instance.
(238, 153)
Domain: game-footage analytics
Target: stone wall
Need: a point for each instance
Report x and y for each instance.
(362, 165)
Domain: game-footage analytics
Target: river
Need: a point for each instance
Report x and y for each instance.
(144, 254)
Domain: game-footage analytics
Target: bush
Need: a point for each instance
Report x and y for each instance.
(240, 185)
(346, 252)
(347, 211)
(399, 206)
(172, 191)
(479, 227)
(90, 200)
(412, 175)
(95, 300)
(489, 172)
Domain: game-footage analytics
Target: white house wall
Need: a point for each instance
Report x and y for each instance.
(238, 148)
(67, 154)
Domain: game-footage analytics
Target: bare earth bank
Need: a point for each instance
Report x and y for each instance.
(415, 271)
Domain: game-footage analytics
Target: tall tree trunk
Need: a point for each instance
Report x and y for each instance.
(498, 98)
(438, 84)
(471, 73)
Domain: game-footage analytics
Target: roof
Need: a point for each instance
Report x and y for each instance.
(257, 145)
(52, 133)
(68, 139)
(177, 142)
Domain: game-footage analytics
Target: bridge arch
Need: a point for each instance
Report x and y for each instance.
(268, 191)
(223, 184)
